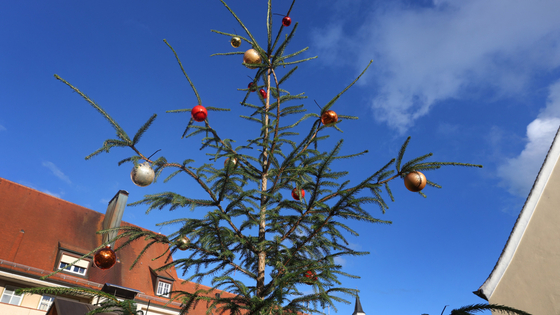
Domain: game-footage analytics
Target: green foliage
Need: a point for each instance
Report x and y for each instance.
(476, 308)
(249, 227)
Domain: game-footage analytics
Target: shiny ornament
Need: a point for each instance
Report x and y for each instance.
(142, 174)
(311, 277)
(235, 42)
(295, 194)
(234, 161)
(183, 243)
(251, 56)
(263, 93)
(286, 21)
(252, 87)
(105, 258)
(329, 117)
(199, 113)
(415, 181)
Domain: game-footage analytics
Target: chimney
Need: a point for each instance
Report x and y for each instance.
(114, 214)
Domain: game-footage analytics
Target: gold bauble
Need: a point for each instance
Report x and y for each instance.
(142, 174)
(415, 181)
(235, 42)
(183, 243)
(251, 56)
(329, 117)
(234, 161)
(105, 258)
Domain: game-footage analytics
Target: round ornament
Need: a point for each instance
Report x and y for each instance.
(105, 258)
(263, 93)
(235, 42)
(183, 242)
(251, 56)
(295, 194)
(329, 117)
(310, 276)
(415, 181)
(142, 174)
(234, 161)
(286, 21)
(252, 87)
(199, 113)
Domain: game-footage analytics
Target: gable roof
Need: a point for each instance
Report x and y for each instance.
(487, 289)
(35, 226)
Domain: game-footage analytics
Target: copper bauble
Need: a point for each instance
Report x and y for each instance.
(235, 41)
(142, 174)
(295, 194)
(183, 243)
(199, 113)
(234, 161)
(415, 181)
(251, 56)
(329, 117)
(105, 258)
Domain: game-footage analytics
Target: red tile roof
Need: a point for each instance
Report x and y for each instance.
(34, 225)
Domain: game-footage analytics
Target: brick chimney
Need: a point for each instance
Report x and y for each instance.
(114, 214)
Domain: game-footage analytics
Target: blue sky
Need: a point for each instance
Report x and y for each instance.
(473, 81)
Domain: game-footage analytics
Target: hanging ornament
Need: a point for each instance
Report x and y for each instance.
(251, 56)
(311, 277)
(183, 242)
(252, 87)
(199, 113)
(263, 93)
(105, 258)
(295, 194)
(235, 41)
(329, 117)
(415, 181)
(142, 174)
(234, 161)
(286, 21)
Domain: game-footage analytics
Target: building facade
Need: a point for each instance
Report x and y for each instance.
(527, 274)
(41, 234)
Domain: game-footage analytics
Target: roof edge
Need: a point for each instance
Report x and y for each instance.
(487, 288)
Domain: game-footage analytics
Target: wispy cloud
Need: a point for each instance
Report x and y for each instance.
(518, 174)
(57, 172)
(451, 49)
(52, 194)
(2, 128)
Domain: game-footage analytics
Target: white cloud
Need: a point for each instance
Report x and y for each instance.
(56, 171)
(2, 128)
(340, 261)
(426, 55)
(518, 174)
(52, 194)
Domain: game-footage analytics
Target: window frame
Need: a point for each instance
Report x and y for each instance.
(163, 284)
(80, 269)
(48, 304)
(13, 290)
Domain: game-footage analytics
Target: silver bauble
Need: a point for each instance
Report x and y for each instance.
(142, 174)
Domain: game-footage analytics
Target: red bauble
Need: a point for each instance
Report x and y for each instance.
(311, 276)
(295, 195)
(199, 113)
(105, 258)
(415, 181)
(286, 21)
(251, 87)
(263, 93)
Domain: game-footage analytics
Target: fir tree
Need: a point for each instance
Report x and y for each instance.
(297, 240)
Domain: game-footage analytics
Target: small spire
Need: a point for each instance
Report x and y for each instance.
(358, 308)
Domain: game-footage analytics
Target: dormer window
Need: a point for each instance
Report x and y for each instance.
(163, 288)
(79, 268)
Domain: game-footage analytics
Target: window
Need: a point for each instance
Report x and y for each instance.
(163, 288)
(9, 296)
(79, 268)
(46, 302)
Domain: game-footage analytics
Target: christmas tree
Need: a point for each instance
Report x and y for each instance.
(251, 230)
